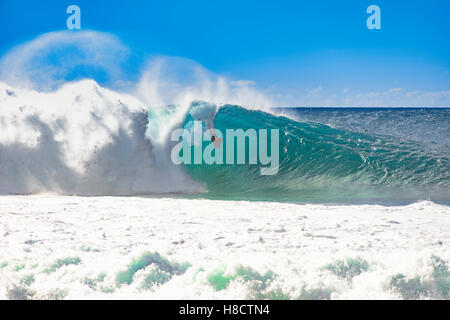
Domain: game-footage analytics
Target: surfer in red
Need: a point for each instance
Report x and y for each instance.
(216, 141)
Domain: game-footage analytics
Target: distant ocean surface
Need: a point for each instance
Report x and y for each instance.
(426, 125)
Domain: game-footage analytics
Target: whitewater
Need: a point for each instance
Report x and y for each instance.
(81, 139)
(71, 247)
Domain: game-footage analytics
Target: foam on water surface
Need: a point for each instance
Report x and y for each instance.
(124, 247)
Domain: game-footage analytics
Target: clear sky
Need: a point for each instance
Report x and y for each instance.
(317, 53)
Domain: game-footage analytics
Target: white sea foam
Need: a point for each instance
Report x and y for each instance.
(293, 241)
(81, 139)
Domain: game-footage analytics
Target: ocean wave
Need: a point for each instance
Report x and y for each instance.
(87, 140)
(321, 163)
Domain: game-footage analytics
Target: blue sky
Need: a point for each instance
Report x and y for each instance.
(317, 53)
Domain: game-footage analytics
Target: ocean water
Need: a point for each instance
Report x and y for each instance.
(338, 155)
(101, 142)
(92, 206)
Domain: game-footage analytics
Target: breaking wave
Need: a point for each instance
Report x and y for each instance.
(87, 140)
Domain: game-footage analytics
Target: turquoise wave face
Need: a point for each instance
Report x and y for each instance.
(320, 164)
